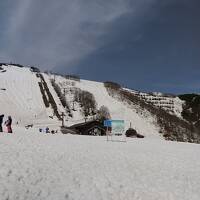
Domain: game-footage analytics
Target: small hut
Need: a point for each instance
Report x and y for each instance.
(90, 128)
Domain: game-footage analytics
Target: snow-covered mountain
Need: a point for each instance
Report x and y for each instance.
(22, 99)
(30, 97)
(143, 123)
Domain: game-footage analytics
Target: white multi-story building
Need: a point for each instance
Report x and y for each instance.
(159, 100)
(170, 103)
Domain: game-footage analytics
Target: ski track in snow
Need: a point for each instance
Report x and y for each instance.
(48, 167)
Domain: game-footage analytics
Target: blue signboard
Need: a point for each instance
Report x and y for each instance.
(117, 125)
(115, 128)
(107, 123)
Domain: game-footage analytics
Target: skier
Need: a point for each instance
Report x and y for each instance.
(47, 130)
(1, 122)
(8, 124)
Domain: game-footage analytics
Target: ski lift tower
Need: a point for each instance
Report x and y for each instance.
(63, 119)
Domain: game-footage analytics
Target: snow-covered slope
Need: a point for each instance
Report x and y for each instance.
(21, 98)
(65, 167)
(120, 110)
(144, 123)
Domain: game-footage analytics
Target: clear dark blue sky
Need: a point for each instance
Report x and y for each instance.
(150, 45)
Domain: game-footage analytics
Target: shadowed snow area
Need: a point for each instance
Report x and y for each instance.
(48, 167)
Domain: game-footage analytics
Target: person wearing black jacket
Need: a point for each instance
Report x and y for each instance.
(1, 122)
(8, 124)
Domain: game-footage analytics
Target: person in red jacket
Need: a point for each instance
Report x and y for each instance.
(8, 124)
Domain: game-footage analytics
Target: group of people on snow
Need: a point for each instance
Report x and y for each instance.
(7, 123)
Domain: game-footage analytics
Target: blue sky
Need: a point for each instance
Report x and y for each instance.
(150, 45)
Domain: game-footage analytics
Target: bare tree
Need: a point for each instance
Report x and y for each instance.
(103, 113)
(86, 101)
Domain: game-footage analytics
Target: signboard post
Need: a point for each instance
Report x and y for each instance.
(108, 125)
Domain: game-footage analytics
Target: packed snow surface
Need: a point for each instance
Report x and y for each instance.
(59, 167)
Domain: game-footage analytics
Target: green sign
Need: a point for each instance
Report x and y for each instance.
(118, 126)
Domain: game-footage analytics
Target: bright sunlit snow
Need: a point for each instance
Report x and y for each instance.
(48, 167)
(21, 97)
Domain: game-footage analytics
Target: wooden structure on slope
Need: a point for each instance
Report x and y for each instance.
(90, 128)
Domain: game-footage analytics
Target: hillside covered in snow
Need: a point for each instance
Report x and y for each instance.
(42, 99)
(21, 98)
